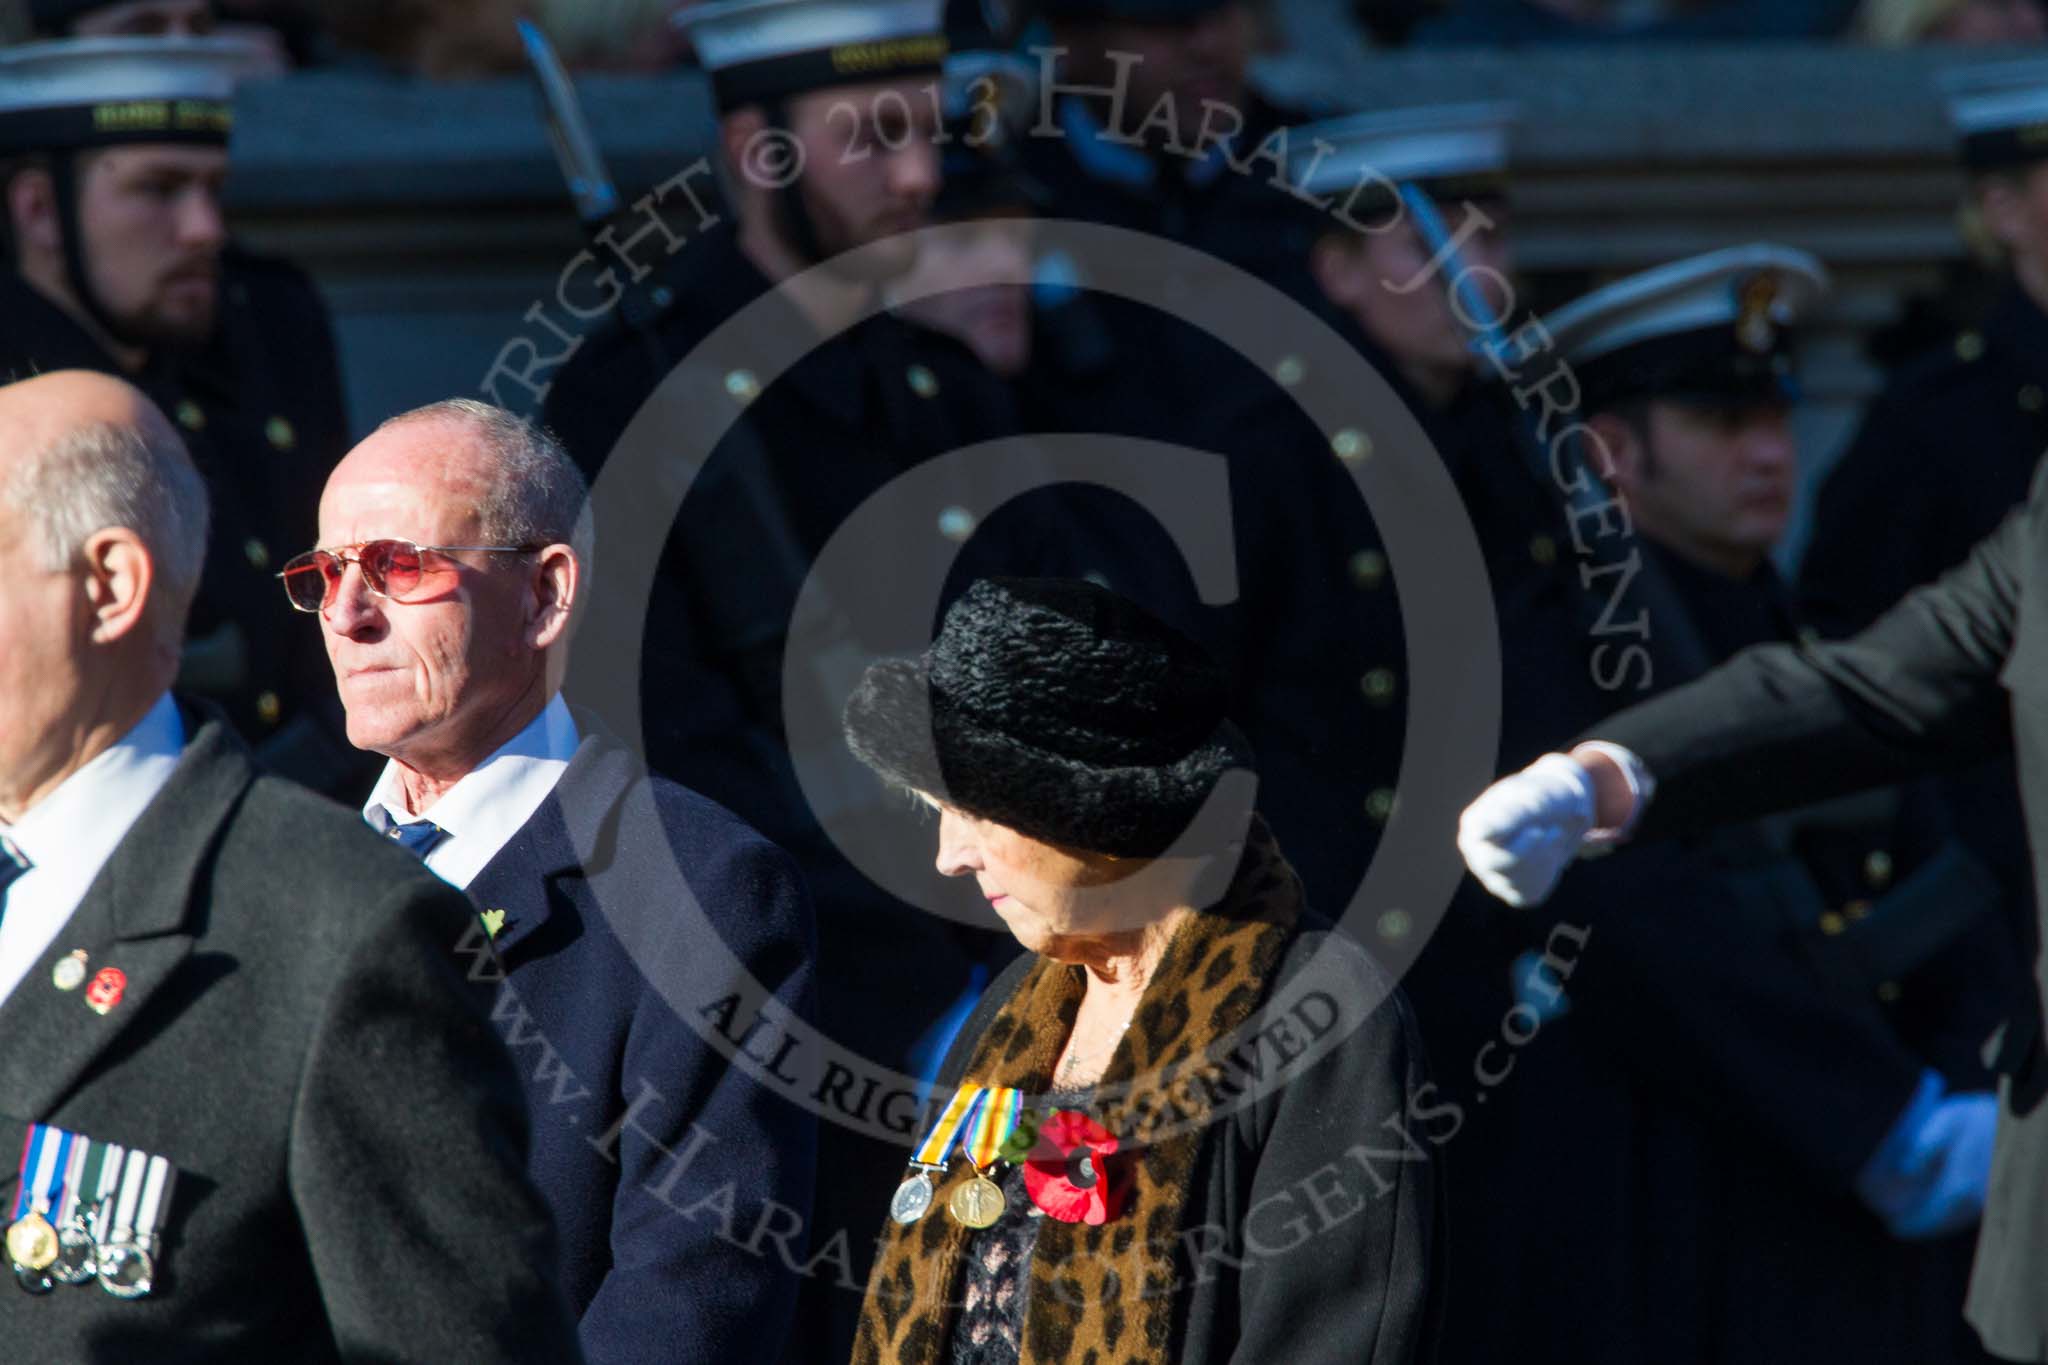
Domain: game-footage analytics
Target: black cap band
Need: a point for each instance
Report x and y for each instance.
(1998, 149)
(798, 73)
(117, 123)
(1708, 364)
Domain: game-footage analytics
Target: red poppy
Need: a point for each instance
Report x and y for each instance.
(1068, 1173)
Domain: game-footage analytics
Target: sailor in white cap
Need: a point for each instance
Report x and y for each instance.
(1978, 393)
(1687, 376)
(113, 161)
(1830, 1087)
(828, 133)
(1788, 721)
(1386, 278)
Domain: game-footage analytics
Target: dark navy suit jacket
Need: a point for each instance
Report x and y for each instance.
(634, 914)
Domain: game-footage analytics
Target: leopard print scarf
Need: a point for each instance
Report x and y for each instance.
(1107, 1293)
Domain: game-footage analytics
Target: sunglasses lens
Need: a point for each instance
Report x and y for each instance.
(393, 568)
(309, 578)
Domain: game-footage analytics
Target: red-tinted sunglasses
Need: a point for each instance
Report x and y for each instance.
(391, 568)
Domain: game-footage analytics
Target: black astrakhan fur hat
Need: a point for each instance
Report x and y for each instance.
(1058, 709)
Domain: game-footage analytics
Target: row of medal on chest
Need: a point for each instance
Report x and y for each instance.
(87, 1212)
(1066, 1157)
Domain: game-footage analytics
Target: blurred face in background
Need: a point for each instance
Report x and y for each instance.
(1712, 482)
(870, 167)
(1385, 283)
(1991, 21)
(154, 231)
(2013, 208)
(147, 18)
(976, 265)
(1190, 60)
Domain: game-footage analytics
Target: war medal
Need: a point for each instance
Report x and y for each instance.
(127, 1254)
(913, 1198)
(32, 1246)
(77, 1254)
(980, 1202)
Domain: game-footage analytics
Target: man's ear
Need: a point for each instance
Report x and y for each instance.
(1617, 454)
(119, 576)
(551, 605)
(736, 129)
(2001, 203)
(32, 212)
(1336, 262)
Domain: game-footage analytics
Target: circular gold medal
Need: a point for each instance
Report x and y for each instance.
(32, 1242)
(978, 1203)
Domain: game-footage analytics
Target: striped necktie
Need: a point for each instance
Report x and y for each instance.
(14, 865)
(419, 838)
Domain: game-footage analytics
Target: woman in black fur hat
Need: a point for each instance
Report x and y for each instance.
(1190, 1124)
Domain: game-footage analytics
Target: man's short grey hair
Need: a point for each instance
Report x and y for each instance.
(536, 495)
(104, 476)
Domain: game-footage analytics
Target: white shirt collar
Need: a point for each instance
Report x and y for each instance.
(491, 803)
(69, 835)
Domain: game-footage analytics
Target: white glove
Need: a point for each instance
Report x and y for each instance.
(1524, 830)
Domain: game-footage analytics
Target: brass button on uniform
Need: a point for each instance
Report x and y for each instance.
(258, 553)
(1379, 807)
(1368, 568)
(1379, 686)
(1856, 911)
(2031, 399)
(956, 524)
(1889, 992)
(1396, 925)
(190, 415)
(1969, 346)
(1832, 923)
(269, 708)
(1351, 445)
(1543, 550)
(281, 434)
(1290, 371)
(923, 382)
(1877, 870)
(743, 386)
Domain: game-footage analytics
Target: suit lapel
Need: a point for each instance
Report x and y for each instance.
(135, 920)
(544, 851)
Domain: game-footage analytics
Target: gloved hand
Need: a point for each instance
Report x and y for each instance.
(1927, 1178)
(1523, 831)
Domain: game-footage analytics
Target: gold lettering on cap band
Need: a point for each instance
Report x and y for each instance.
(855, 57)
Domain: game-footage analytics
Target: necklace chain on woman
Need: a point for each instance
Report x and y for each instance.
(1072, 1064)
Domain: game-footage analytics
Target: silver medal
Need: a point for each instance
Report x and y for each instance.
(77, 1256)
(126, 1270)
(913, 1199)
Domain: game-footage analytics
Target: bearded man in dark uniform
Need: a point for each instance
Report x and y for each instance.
(753, 380)
(113, 159)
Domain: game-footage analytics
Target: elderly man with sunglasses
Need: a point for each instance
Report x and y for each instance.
(642, 942)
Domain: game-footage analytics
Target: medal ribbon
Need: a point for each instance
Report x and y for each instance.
(156, 1199)
(134, 1175)
(995, 1120)
(102, 1178)
(45, 1160)
(959, 1111)
(74, 1181)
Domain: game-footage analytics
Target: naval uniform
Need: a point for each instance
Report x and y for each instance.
(260, 407)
